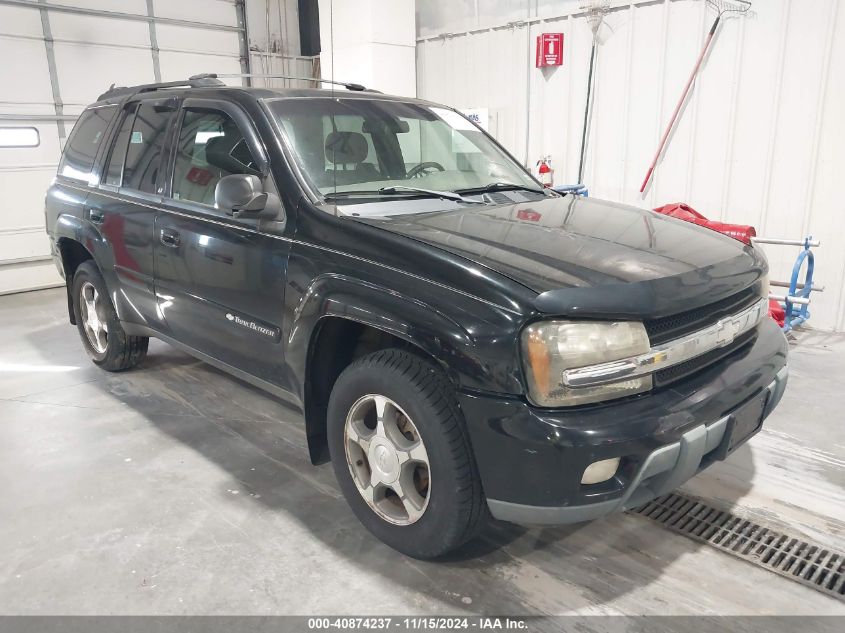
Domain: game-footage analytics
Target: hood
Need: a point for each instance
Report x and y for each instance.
(589, 257)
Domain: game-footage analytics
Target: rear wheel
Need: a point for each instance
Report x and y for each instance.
(103, 337)
(401, 454)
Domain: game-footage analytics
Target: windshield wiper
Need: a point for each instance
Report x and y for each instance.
(446, 195)
(400, 189)
(500, 186)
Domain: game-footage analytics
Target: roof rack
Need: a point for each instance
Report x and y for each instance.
(348, 85)
(198, 81)
(210, 80)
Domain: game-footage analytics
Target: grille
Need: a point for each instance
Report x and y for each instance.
(810, 564)
(681, 370)
(672, 327)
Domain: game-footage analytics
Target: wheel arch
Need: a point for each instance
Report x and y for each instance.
(341, 319)
(73, 253)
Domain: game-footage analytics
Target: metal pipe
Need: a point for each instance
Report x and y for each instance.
(243, 39)
(154, 41)
(783, 242)
(586, 127)
(791, 299)
(799, 286)
(33, 4)
(38, 117)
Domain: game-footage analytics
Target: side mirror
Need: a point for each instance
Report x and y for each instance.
(242, 194)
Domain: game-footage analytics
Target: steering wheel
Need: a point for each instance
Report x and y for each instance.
(423, 169)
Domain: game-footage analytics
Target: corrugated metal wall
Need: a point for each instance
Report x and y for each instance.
(57, 57)
(762, 140)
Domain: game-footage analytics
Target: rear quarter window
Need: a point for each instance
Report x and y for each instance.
(84, 142)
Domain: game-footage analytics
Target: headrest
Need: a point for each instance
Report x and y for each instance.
(346, 147)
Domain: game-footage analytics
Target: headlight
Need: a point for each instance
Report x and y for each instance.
(550, 347)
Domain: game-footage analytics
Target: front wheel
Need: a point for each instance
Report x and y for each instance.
(401, 454)
(99, 328)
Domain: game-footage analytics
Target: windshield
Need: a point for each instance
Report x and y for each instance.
(353, 147)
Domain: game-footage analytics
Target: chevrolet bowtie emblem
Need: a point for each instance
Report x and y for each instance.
(725, 332)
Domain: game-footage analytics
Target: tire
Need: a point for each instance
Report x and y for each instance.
(442, 498)
(109, 348)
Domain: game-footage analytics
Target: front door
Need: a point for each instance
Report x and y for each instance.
(220, 280)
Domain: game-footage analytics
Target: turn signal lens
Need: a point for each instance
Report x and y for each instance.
(540, 361)
(598, 472)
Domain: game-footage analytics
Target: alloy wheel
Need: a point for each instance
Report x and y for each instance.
(91, 308)
(387, 459)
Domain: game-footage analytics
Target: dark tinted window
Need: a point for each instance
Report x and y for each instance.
(210, 147)
(85, 139)
(146, 143)
(114, 171)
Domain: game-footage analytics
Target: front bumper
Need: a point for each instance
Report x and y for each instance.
(531, 460)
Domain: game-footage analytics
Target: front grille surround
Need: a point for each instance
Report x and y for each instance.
(669, 328)
(723, 334)
(699, 363)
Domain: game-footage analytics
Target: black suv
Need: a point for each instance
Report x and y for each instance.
(460, 342)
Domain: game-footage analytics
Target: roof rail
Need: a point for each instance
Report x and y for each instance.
(345, 84)
(198, 81)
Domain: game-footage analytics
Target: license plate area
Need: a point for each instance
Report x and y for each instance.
(742, 424)
(746, 421)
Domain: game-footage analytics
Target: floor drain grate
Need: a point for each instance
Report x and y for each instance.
(813, 565)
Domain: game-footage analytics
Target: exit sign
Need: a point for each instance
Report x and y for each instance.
(549, 50)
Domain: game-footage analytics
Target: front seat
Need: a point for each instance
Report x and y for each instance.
(347, 152)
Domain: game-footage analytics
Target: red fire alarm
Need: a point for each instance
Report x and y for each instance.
(549, 50)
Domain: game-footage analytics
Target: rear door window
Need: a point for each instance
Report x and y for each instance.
(81, 149)
(117, 156)
(146, 144)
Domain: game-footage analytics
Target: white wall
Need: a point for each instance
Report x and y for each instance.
(371, 42)
(273, 26)
(762, 140)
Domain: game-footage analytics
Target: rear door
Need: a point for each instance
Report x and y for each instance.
(77, 175)
(220, 280)
(125, 206)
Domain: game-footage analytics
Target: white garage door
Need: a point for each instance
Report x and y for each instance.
(58, 56)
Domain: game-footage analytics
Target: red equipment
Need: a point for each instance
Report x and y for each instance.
(777, 312)
(741, 232)
(545, 172)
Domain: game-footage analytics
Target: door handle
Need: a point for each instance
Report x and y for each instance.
(96, 217)
(170, 238)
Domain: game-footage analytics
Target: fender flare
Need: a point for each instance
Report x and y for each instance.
(71, 228)
(366, 303)
(411, 320)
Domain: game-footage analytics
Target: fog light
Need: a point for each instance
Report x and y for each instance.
(598, 472)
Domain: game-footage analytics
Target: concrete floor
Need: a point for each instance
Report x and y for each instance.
(174, 489)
